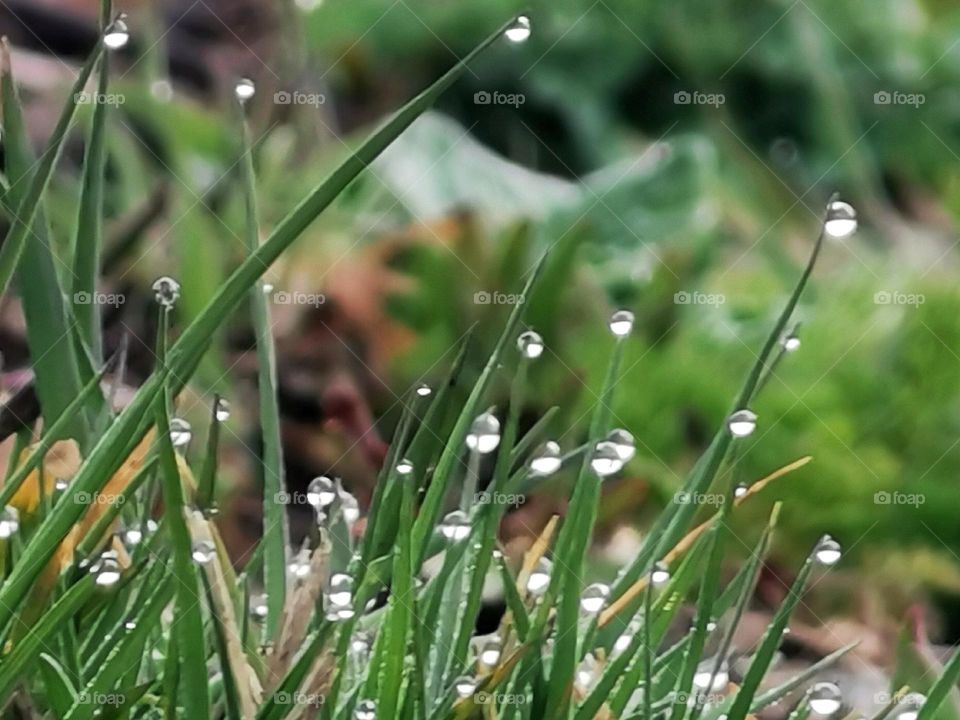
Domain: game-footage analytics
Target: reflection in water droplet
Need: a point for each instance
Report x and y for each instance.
(828, 551)
(340, 591)
(594, 597)
(624, 444)
(740, 490)
(203, 551)
(166, 290)
(365, 710)
(606, 460)
(424, 391)
(660, 574)
(841, 219)
(321, 491)
(621, 323)
(490, 652)
(244, 90)
(465, 686)
(484, 435)
(404, 467)
(546, 460)
(742, 423)
(530, 344)
(539, 579)
(791, 343)
(349, 507)
(106, 569)
(455, 526)
(258, 608)
(222, 411)
(9, 522)
(117, 35)
(587, 672)
(180, 432)
(520, 30)
(825, 698)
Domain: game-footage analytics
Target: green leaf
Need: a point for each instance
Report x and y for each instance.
(60, 691)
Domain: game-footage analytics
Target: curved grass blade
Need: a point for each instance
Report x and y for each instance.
(59, 689)
(15, 664)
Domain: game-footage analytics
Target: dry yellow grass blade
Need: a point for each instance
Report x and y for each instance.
(537, 551)
(681, 547)
(60, 463)
(249, 689)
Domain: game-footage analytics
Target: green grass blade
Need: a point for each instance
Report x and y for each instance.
(768, 646)
(231, 698)
(15, 663)
(941, 689)
(57, 685)
(208, 473)
(274, 513)
(27, 209)
(89, 232)
(189, 625)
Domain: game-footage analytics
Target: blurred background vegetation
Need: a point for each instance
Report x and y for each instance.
(641, 197)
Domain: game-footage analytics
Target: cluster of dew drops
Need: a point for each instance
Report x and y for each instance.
(608, 457)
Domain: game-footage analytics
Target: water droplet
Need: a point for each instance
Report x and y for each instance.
(621, 323)
(825, 698)
(222, 411)
(909, 707)
(828, 551)
(9, 522)
(258, 608)
(841, 219)
(484, 435)
(349, 507)
(520, 30)
(60, 484)
(203, 551)
(530, 344)
(365, 710)
(587, 672)
(180, 432)
(132, 536)
(490, 652)
(539, 579)
(623, 640)
(166, 290)
(299, 567)
(660, 575)
(791, 343)
(424, 391)
(340, 591)
(594, 598)
(130, 625)
(244, 90)
(321, 492)
(465, 686)
(742, 423)
(107, 570)
(117, 35)
(360, 644)
(740, 490)
(455, 526)
(546, 460)
(404, 467)
(704, 675)
(624, 443)
(606, 460)
(162, 90)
